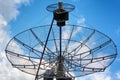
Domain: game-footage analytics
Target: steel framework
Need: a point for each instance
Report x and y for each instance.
(54, 51)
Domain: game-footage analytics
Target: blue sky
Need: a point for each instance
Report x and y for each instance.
(103, 15)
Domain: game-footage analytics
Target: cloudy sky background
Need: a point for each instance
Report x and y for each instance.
(19, 15)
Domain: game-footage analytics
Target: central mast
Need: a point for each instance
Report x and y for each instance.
(60, 15)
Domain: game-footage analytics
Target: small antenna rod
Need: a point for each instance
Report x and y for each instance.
(60, 0)
(60, 5)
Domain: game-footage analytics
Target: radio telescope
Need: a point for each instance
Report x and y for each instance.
(61, 51)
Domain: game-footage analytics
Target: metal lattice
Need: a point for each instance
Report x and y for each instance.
(84, 50)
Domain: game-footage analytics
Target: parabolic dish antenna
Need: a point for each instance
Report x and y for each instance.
(61, 51)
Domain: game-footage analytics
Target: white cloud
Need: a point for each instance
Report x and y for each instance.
(2, 21)
(81, 21)
(7, 72)
(9, 11)
(97, 76)
(101, 77)
(76, 0)
(118, 75)
(9, 8)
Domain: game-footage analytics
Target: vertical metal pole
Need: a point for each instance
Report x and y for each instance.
(60, 67)
(60, 41)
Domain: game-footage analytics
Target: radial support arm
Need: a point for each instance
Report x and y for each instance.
(37, 74)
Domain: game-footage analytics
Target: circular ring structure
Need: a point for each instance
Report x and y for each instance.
(85, 51)
(66, 6)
